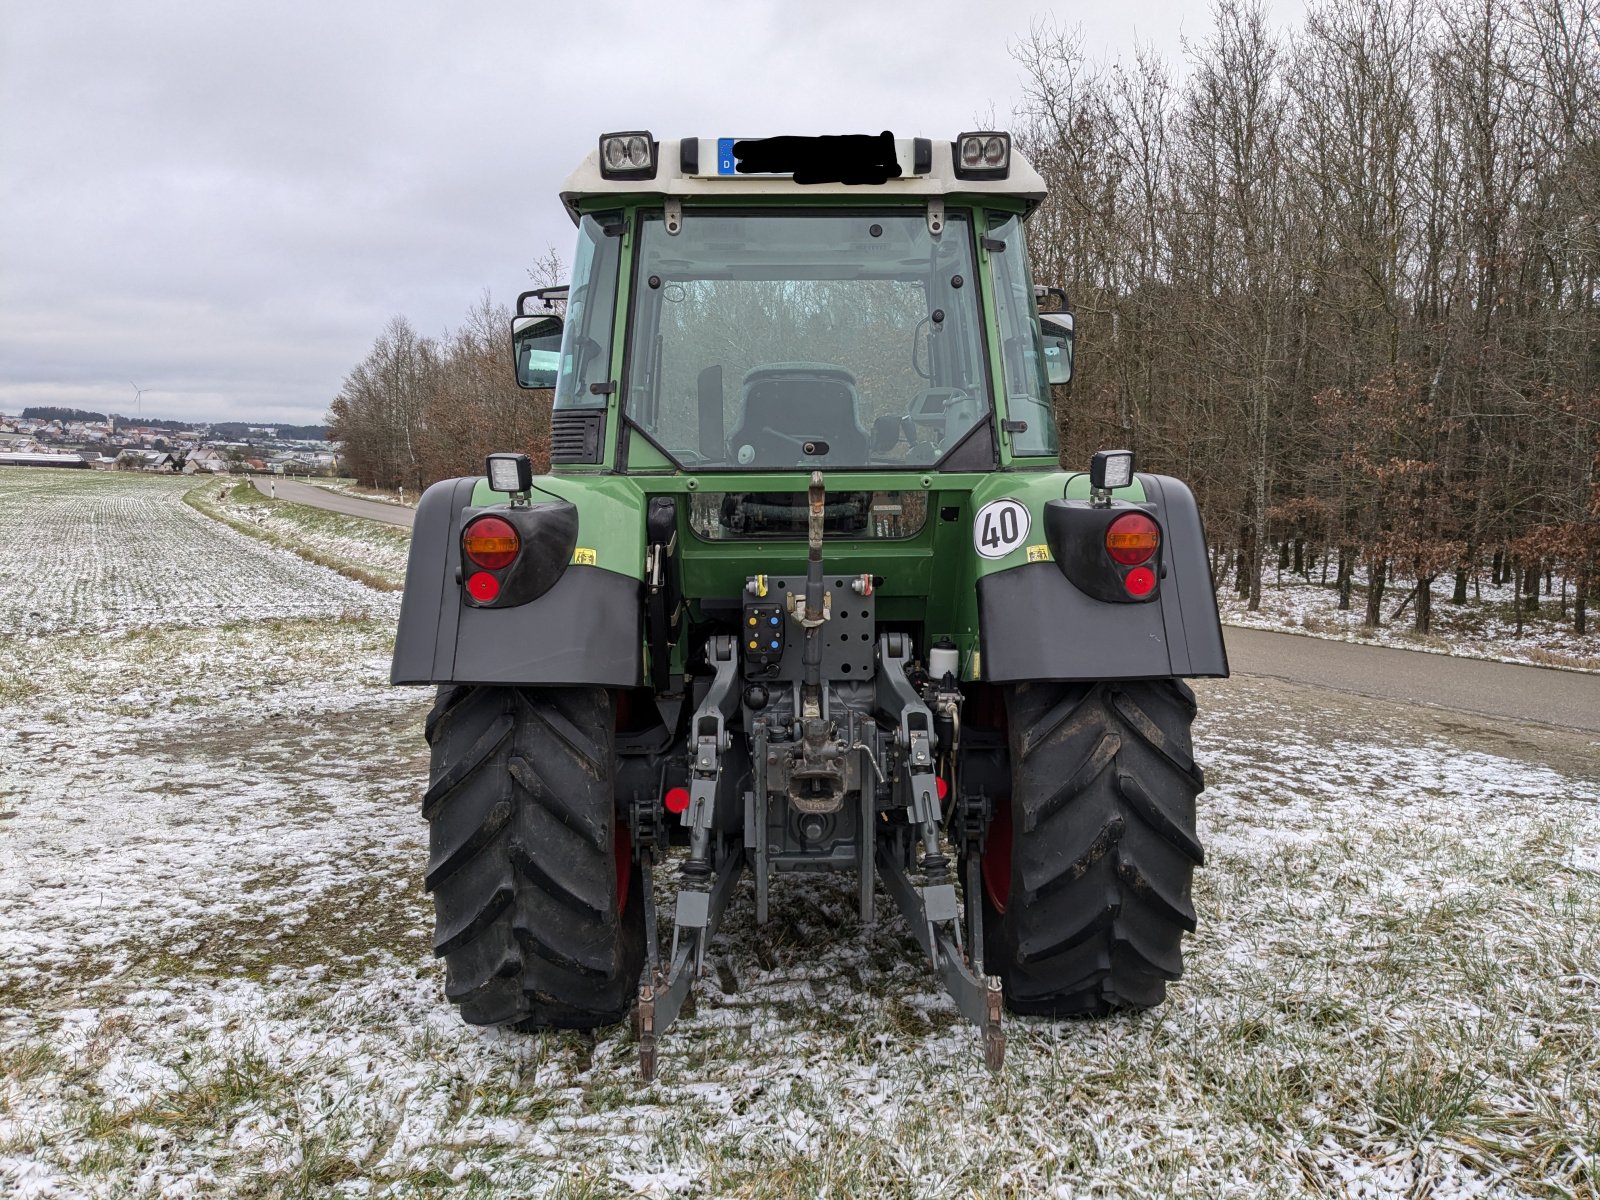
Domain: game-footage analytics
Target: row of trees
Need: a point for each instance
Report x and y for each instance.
(1344, 280)
(418, 409)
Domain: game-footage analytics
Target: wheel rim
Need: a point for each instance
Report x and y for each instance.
(624, 852)
(997, 858)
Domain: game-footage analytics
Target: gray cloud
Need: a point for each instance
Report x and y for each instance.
(225, 202)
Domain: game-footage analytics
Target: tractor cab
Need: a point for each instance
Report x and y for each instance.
(767, 324)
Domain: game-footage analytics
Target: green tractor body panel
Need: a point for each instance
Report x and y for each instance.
(931, 580)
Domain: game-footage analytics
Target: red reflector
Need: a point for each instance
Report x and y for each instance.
(1132, 538)
(943, 787)
(1141, 581)
(483, 587)
(490, 542)
(676, 799)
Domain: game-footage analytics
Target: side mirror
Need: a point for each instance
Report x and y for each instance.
(536, 350)
(1057, 330)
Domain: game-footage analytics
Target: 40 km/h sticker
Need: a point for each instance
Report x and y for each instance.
(1000, 527)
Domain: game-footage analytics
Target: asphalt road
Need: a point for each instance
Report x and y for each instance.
(350, 506)
(1537, 695)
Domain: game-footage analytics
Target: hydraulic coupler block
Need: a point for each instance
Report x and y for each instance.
(779, 639)
(761, 630)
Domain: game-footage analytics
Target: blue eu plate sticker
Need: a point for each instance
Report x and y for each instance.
(725, 156)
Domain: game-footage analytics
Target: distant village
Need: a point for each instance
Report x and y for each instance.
(119, 443)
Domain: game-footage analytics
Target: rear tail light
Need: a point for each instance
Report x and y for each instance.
(1141, 581)
(1131, 539)
(482, 586)
(490, 543)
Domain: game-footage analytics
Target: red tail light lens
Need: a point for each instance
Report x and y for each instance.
(1132, 539)
(490, 542)
(1141, 581)
(483, 587)
(676, 799)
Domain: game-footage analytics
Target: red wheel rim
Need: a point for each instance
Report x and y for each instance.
(997, 858)
(622, 844)
(624, 849)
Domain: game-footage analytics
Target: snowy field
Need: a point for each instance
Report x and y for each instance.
(95, 552)
(215, 979)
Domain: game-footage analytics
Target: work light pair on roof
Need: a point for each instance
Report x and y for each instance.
(632, 154)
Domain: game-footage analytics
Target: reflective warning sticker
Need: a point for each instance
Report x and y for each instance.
(583, 557)
(1038, 553)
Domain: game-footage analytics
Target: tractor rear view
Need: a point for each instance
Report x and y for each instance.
(805, 590)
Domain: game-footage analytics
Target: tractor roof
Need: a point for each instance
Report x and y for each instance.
(689, 168)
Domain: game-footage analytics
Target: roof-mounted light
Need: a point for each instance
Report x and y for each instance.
(983, 155)
(628, 155)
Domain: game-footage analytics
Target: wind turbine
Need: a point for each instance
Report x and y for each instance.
(138, 398)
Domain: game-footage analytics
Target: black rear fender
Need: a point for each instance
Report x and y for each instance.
(583, 627)
(1036, 623)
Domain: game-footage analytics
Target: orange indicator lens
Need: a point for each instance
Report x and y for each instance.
(1132, 539)
(490, 542)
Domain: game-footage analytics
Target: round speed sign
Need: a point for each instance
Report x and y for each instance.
(1000, 527)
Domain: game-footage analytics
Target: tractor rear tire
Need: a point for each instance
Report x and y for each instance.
(536, 897)
(1087, 870)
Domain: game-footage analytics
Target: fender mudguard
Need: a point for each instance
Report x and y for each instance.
(586, 629)
(1035, 624)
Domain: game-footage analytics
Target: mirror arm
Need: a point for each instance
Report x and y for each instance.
(1041, 290)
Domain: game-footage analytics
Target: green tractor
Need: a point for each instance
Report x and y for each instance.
(805, 590)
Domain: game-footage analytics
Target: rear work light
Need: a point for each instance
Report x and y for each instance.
(1133, 538)
(490, 542)
(983, 155)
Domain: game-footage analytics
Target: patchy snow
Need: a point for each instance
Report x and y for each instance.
(215, 978)
(1485, 627)
(372, 552)
(349, 487)
(87, 552)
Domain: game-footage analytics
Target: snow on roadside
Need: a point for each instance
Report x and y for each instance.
(349, 487)
(369, 551)
(1483, 628)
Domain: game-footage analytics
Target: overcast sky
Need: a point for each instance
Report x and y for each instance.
(224, 202)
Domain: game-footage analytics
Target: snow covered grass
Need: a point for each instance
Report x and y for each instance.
(215, 979)
(86, 552)
(367, 551)
(349, 487)
(1484, 627)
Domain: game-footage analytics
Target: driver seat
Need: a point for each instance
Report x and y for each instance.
(783, 403)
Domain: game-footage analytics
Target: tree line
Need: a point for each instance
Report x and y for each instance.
(418, 409)
(1343, 280)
